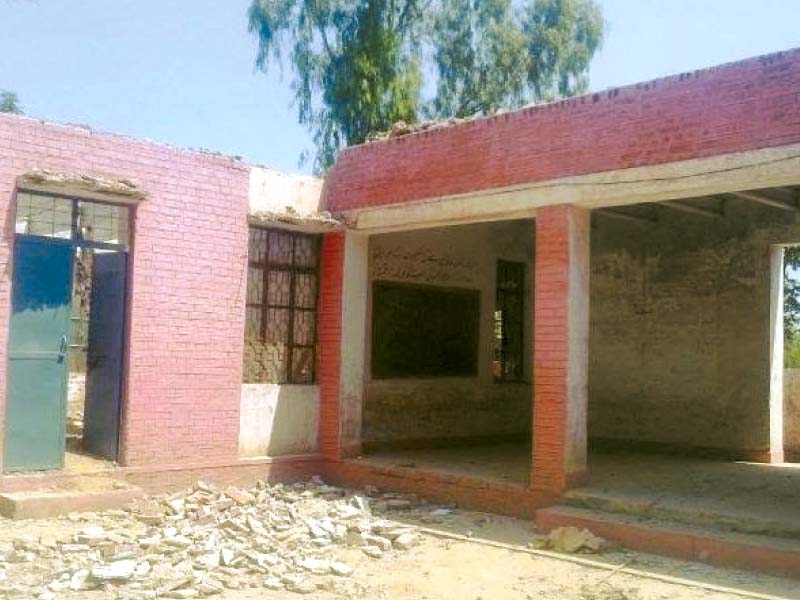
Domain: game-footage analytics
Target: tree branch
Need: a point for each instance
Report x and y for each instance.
(404, 16)
(321, 27)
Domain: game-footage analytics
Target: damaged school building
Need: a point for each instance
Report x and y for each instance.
(571, 312)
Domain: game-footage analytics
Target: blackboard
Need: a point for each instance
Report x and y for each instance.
(424, 331)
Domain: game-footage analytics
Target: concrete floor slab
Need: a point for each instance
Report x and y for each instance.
(753, 498)
(750, 498)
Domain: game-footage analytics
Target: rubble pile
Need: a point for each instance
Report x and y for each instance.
(401, 128)
(198, 543)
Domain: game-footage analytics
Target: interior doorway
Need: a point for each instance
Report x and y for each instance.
(66, 331)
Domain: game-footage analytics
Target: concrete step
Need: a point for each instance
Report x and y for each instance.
(769, 554)
(37, 504)
(685, 511)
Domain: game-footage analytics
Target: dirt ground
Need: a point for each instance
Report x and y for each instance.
(444, 569)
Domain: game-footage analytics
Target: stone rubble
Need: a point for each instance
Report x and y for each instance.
(198, 543)
(573, 540)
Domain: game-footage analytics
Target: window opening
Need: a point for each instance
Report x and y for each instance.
(280, 329)
(509, 321)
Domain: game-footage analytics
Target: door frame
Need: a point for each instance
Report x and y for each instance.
(77, 241)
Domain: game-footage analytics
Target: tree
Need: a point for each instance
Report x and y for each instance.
(9, 103)
(496, 55)
(359, 66)
(791, 306)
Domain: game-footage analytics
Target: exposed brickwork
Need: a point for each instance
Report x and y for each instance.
(467, 492)
(186, 288)
(559, 406)
(329, 340)
(243, 473)
(740, 106)
(683, 543)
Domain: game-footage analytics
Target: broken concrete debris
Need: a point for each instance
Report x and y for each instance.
(401, 128)
(573, 540)
(205, 540)
(56, 180)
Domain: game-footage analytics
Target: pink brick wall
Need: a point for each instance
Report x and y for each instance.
(187, 285)
(741, 106)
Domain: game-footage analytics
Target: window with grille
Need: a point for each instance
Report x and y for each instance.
(93, 227)
(280, 329)
(509, 322)
(83, 221)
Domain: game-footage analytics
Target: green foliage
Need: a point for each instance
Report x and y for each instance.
(9, 103)
(791, 306)
(497, 55)
(359, 66)
(791, 352)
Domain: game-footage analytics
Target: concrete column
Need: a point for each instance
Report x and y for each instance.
(341, 342)
(561, 347)
(776, 452)
(354, 340)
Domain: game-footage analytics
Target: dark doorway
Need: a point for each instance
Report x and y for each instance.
(103, 401)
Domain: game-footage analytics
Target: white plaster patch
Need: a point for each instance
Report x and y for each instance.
(274, 192)
(277, 420)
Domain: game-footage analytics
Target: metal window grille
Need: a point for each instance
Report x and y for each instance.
(92, 227)
(280, 329)
(85, 222)
(509, 322)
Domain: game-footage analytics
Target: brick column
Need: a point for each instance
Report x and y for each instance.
(561, 335)
(329, 336)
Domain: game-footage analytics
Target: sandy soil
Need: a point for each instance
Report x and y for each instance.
(444, 569)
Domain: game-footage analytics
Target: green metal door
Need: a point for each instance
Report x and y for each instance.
(37, 365)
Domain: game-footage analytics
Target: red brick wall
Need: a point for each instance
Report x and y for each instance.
(329, 336)
(187, 284)
(740, 106)
(551, 334)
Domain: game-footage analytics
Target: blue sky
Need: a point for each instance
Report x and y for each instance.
(181, 71)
